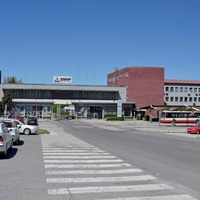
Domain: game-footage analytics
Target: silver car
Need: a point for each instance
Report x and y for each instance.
(6, 141)
(14, 130)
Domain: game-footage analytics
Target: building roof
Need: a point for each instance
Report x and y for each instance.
(182, 81)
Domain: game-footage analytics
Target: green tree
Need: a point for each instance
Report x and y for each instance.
(7, 100)
(12, 79)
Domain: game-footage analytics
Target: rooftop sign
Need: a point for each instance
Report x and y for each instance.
(62, 79)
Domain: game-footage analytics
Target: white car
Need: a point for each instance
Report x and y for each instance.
(6, 141)
(14, 130)
(25, 129)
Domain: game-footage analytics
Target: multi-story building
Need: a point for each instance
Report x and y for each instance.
(144, 85)
(182, 92)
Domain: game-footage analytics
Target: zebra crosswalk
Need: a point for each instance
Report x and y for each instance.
(82, 169)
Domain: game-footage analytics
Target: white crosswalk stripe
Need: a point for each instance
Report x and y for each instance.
(169, 197)
(83, 161)
(88, 166)
(101, 179)
(96, 172)
(131, 188)
(68, 168)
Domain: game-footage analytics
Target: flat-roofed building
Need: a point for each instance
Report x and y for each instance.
(144, 85)
(182, 92)
(37, 99)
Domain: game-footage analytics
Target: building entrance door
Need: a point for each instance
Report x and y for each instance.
(96, 112)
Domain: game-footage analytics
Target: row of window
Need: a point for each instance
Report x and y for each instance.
(182, 99)
(62, 94)
(182, 89)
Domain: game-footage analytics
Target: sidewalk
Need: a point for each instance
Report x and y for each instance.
(156, 127)
(142, 125)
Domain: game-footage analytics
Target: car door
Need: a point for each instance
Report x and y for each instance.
(6, 135)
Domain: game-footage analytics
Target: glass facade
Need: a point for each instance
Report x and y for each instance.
(62, 94)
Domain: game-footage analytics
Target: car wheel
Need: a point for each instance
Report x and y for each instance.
(198, 132)
(27, 131)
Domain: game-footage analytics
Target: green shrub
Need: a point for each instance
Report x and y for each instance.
(146, 117)
(109, 115)
(115, 118)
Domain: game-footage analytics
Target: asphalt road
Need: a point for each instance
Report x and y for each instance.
(80, 160)
(22, 174)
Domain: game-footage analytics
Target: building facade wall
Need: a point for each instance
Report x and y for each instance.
(182, 93)
(144, 85)
(36, 99)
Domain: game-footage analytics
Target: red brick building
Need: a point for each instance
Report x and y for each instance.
(144, 85)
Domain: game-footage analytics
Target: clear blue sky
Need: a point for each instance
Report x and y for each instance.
(87, 39)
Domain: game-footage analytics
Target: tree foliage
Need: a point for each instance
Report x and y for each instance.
(6, 100)
(12, 79)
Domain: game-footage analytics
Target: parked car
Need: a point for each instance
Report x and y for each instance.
(194, 129)
(25, 129)
(14, 130)
(6, 141)
(32, 120)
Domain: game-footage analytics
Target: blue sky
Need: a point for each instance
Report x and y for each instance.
(87, 39)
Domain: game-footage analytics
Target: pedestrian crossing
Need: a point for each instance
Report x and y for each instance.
(83, 171)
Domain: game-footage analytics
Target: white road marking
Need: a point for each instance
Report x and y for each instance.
(100, 179)
(111, 128)
(122, 171)
(168, 197)
(73, 151)
(78, 157)
(84, 161)
(132, 188)
(88, 166)
(86, 154)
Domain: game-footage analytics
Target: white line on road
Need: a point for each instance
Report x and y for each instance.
(73, 151)
(168, 197)
(78, 157)
(133, 188)
(70, 147)
(88, 166)
(84, 161)
(100, 179)
(86, 154)
(122, 171)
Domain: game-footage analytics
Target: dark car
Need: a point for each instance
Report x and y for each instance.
(32, 120)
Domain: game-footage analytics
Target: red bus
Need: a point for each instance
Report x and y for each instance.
(180, 116)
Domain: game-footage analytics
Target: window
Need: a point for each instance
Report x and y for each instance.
(167, 99)
(185, 99)
(195, 99)
(171, 89)
(176, 99)
(190, 99)
(195, 90)
(190, 89)
(171, 98)
(181, 99)
(167, 89)
(181, 89)
(186, 89)
(176, 89)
